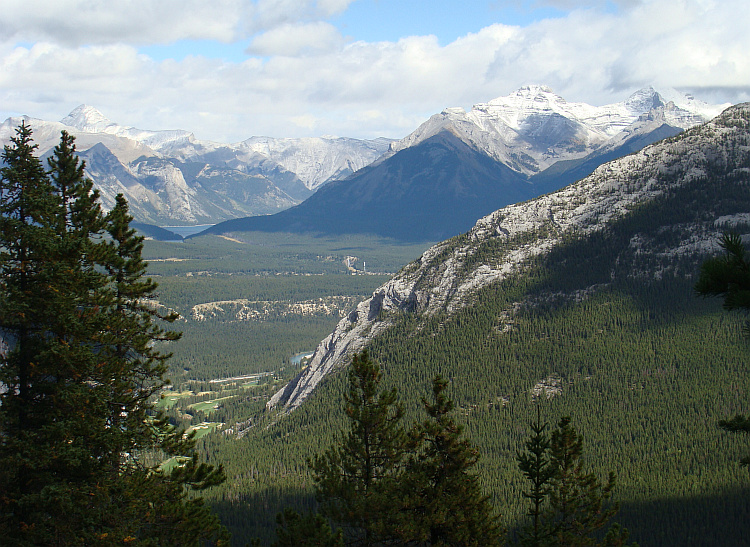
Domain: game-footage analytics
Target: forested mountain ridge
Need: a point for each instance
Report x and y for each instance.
(648, 216)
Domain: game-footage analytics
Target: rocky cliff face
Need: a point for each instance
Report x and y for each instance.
(505, 242)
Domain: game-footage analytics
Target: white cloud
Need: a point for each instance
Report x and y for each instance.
(78, 22)
(676, 43)
(332, 7)
(144, 22)
(311, 82)
(297, 39)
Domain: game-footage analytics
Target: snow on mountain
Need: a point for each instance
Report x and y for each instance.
(90, 120)
(528, 130)
(46, 135)
(502, 243)
(533, 128)
(314, 160)
(318, 160)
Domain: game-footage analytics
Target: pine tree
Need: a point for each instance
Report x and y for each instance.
(579, 503)
(442, 500)
(79, 366)
(535, 464)
(728, 276)
(41, 449)
(353, 477)
(569, 506)
(135, 370)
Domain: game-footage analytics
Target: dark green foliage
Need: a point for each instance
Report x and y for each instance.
(355, 476)
(443, 503)
(579, 505)
(738, 424)
(49, 449)
(295, 530)
(536, 466)
(569, 506)
(728, 276)
(79, 368)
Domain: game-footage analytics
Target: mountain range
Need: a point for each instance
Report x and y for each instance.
(459, 166)
(172, 178)
(432, 184)
(577, 303)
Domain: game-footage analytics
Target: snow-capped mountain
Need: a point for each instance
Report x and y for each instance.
(650, 215)
(89, 120)
(314, 161)
(319, 160)
(533, 128)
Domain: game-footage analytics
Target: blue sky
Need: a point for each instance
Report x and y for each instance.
(386, 20)
(230, 69)
(377, 20)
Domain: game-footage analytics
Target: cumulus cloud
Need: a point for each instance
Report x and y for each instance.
(307, 80)
(675, 43)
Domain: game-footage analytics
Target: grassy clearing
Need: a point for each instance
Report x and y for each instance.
(171, 463)
(208, 406)
(204, 428)
(169, 398)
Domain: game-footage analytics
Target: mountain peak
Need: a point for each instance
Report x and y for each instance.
(87, 118)
(644, 100)
(534, 90)
(527, 96)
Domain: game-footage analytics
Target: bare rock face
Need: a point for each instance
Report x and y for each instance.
(447, 275)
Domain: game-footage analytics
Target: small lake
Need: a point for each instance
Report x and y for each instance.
(185, 231)
(297, 359)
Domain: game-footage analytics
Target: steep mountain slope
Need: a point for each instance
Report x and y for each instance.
(513, 148)
(708, 167)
